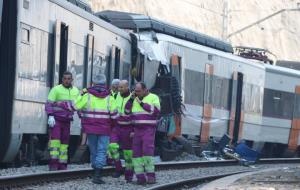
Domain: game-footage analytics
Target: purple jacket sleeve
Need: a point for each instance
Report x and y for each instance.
(128, 106)
(150, 108)
(49, 107)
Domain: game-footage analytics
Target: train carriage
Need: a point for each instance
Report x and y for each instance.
(208, 80)
(222, 93)
(281, 107)
(47, 38)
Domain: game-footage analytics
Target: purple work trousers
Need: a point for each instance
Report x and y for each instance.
(61, 132)
(143, 141)
(121, 135)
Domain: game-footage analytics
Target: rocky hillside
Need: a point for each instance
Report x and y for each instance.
(279, 34)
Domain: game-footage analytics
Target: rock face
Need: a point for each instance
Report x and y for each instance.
(279, 34)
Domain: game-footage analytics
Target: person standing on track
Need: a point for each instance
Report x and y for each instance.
(98, 112)
(144, 108)
(114, 88)
(59, 119)
(121, 135)
(113, 93)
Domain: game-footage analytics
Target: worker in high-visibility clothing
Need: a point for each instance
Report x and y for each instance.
(114, 88)
(98, 112)
(121, 135)
(144, 108)
(59, 119)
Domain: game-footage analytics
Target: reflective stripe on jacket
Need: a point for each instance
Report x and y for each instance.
(97, 114)
(58, 98)
(145, 113)
(122, 118)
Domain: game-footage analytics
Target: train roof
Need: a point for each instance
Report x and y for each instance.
(81, 4)
(282, 70)
(289, 64)
(138, 22)
(73, 6)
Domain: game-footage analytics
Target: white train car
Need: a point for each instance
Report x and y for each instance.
(222, 93)
(40, 39)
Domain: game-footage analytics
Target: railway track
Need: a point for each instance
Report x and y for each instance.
(192, 182)
(8, 182)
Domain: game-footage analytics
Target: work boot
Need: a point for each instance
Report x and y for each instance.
(116, 174)
(128, 176)
(53, 165)
(141, 179)
(151, 178)
(119, 169)
(97, 177)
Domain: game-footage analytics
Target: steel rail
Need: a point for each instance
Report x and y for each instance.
(192, 182)
(7, 182)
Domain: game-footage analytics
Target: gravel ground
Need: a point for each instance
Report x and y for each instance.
(162, 177)
(254, 182)
(285, 178)
(35, 169)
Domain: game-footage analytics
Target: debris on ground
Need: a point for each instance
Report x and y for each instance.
(220, 150)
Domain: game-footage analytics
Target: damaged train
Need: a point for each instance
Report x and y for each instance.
(205, 90)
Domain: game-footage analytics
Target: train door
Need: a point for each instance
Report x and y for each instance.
(97, 62)
(115, 64)
(88, 72)
(234, 129)
(60, 51)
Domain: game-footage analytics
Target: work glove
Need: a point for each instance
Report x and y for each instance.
(51, 121)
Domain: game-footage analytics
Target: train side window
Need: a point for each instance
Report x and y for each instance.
(140, 68)
(99, 65)
(192, 87)
(25, 35)
(76, 63)
(278, 104)
(117, 62)
(63, 56)
(32, 68)
(221, 93)
(126, 70)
